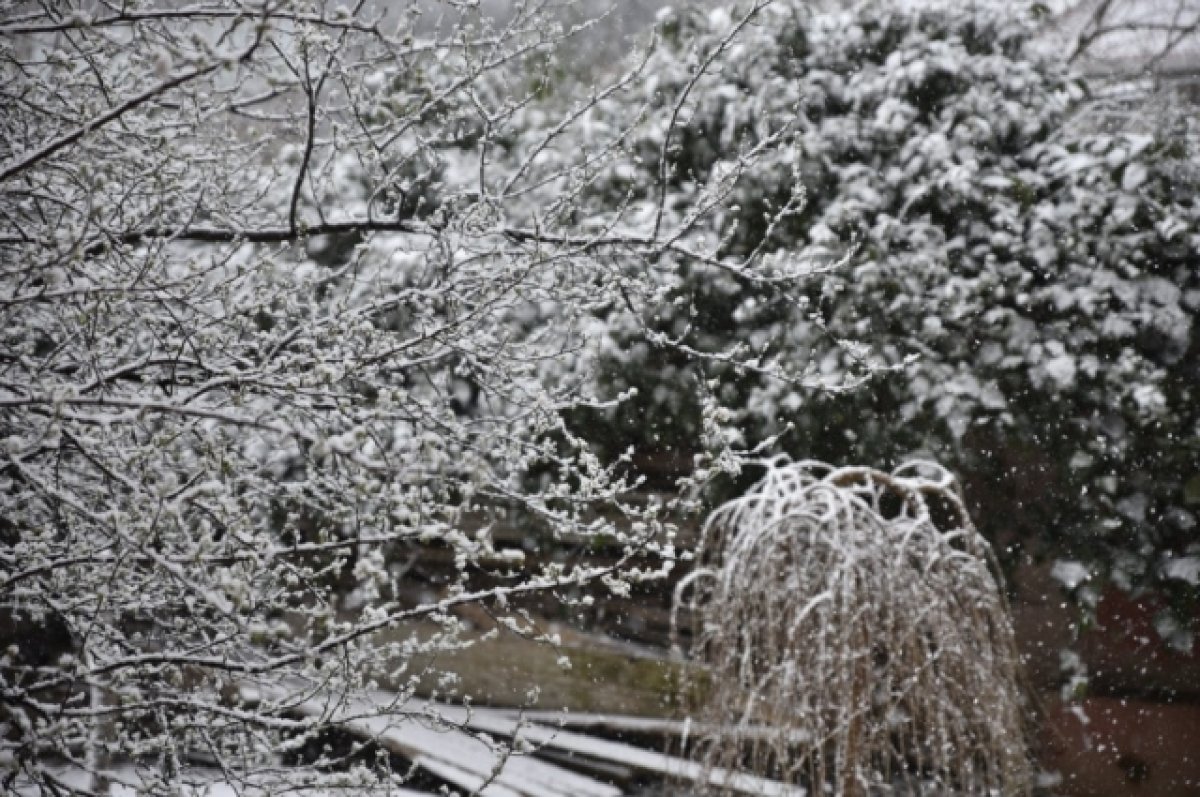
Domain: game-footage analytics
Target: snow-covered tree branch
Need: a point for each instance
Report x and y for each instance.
(289, 290)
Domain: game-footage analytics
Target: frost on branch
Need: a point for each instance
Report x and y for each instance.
(284, 307)
(854, 634)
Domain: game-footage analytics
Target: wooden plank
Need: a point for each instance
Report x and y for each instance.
(628, 755)
(466, 779)
(624, 723)
(434, 738)
(576, 720)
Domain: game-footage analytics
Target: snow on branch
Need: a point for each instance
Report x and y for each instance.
(294, 295)
(857, 615)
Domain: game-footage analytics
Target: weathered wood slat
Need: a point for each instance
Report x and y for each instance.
(450, 742)
(625, 754)
(434, 738)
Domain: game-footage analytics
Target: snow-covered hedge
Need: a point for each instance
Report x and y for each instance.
(1033, 285)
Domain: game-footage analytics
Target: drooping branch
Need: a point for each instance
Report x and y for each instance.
(859, 615)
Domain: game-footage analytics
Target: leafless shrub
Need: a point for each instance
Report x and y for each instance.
(856, 636)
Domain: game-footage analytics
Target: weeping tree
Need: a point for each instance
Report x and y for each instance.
(854, 634)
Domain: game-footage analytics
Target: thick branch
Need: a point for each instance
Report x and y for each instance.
(262, 235)
(190, 14)
(54, 146)
(39, 155)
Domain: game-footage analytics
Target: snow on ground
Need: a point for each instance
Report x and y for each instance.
(459, 745)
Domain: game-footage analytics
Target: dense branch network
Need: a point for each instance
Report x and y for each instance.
(290, 293)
